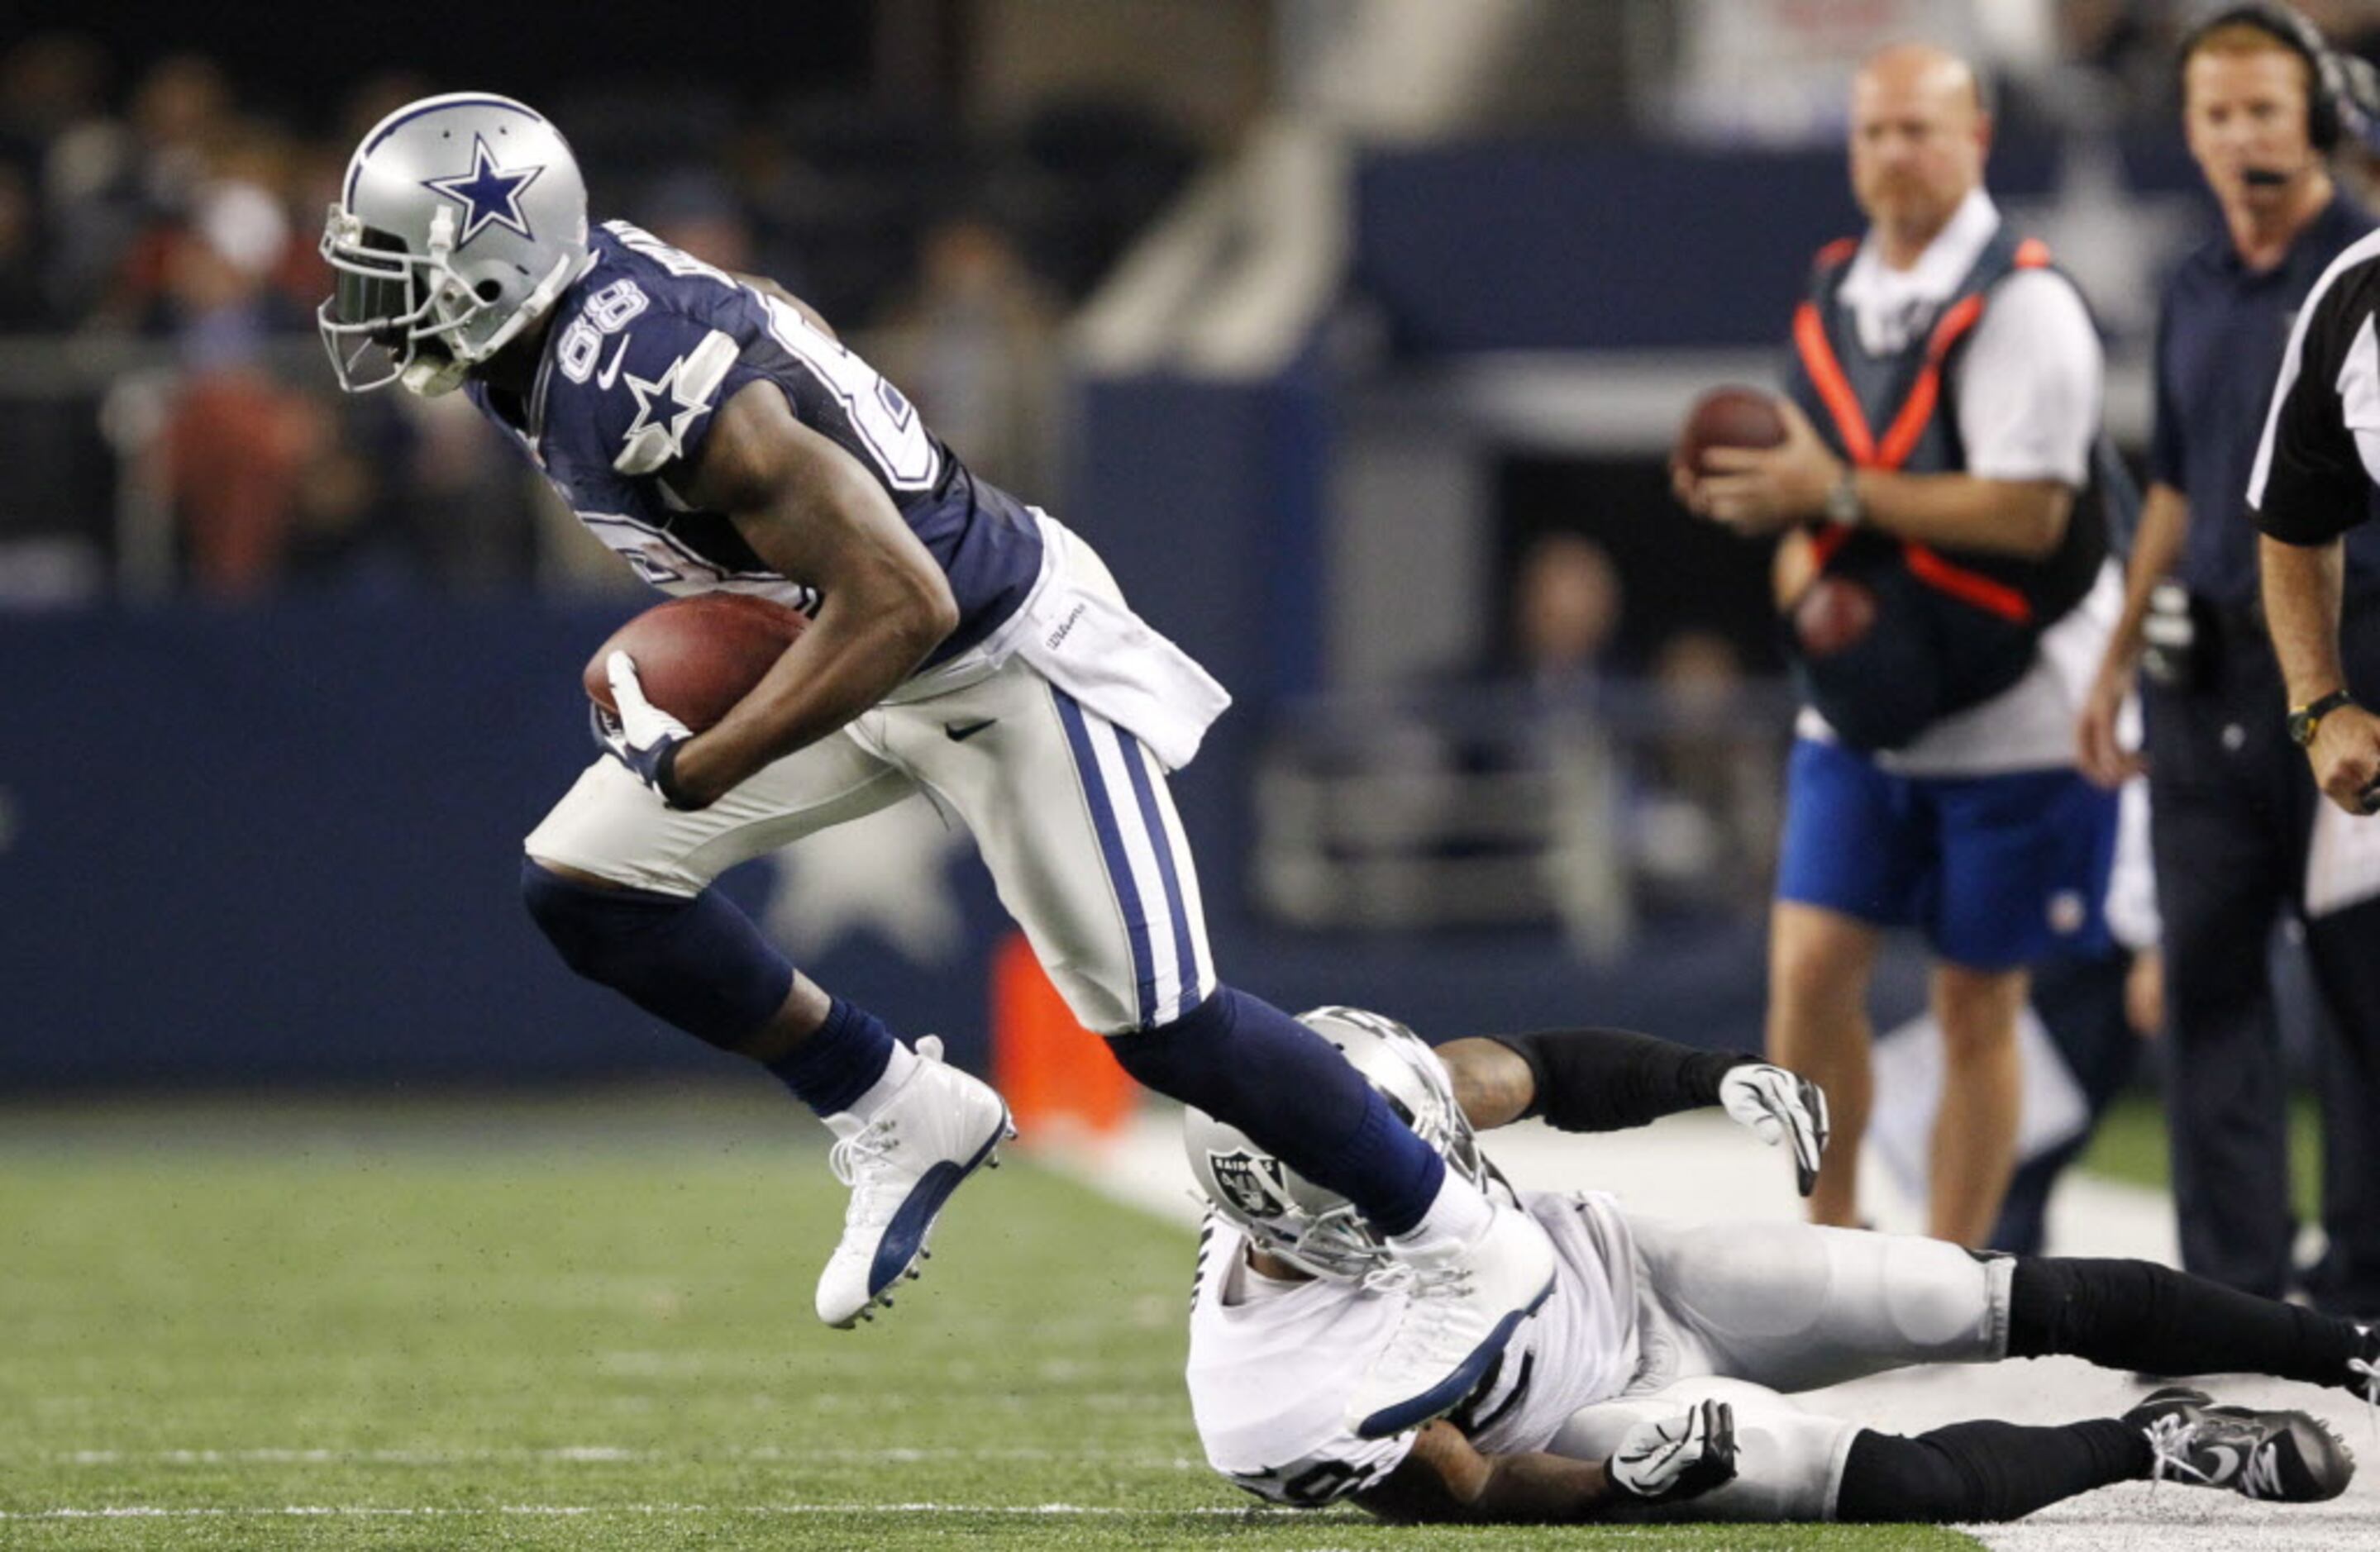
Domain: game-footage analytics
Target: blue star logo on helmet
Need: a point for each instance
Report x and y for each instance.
(489, 194)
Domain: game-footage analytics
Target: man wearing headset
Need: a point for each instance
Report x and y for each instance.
(2264, 102)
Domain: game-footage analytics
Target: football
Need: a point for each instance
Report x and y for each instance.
(697, 656)
(1833, 614)
(1728, 416)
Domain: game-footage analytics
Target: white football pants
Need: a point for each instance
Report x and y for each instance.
(1071, 813)
(1741, 1311)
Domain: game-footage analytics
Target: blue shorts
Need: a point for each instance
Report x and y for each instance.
(1996, 871)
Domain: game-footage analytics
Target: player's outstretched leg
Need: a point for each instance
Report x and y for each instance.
(909, 1129)
(2151, 1320)
(1476, 1269)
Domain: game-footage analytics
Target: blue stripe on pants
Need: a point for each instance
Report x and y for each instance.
(1161, 843)
(1103, 818)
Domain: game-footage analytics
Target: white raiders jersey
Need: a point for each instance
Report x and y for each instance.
(1273, 1363)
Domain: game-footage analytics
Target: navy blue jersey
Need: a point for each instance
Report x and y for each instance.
(2220, 336)
(645, 347)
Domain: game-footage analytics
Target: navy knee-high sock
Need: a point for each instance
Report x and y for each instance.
(840, 1061)
(1252, 1066)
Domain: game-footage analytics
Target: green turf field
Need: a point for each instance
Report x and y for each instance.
(2130, 1144)
(586, 1324)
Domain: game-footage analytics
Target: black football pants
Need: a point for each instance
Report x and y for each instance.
(2231, 800)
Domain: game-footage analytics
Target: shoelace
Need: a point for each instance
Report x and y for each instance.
(2170, 1438)
(850, 1159)
(2370, 1369)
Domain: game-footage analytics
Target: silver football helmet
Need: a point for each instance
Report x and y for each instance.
(1289, 1216)
(462, 218)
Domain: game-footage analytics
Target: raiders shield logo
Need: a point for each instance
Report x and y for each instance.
(1252, 1183)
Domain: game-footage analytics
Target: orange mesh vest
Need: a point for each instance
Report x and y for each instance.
(1953, 627)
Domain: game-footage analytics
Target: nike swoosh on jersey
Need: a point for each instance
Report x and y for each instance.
(959, 732)
(610, 374)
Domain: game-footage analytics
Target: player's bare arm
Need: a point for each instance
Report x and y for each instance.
(2303, 585)
(2156, 549)
(809, 510)
(1446, 1479)
(1492, 1082)
(1759, 491)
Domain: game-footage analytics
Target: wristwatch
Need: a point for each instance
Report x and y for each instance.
(1843, 508)
(2305, 721)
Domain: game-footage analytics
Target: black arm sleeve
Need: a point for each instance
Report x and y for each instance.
(1606, 1080)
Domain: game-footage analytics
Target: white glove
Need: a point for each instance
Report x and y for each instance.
(1780, 1106)
(642, 736)
(1677, 1457)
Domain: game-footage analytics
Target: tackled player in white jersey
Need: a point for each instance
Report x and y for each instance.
(1649, 1385)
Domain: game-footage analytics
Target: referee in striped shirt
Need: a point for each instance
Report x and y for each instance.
(2312, 483)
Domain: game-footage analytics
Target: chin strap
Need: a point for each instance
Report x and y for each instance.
(433, 380)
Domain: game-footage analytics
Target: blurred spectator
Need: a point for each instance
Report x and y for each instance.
(976, 346)
(49, 84)
(1705, 811)
(1566, 603)
(141, 188)
(235, 448)
(174, 214)
(237, 441)
(23, 304)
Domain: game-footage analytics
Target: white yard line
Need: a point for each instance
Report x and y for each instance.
(1706, 1167)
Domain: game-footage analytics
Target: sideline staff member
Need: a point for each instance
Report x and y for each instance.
(2310, 485)
(1961, 487)
(2230, 805)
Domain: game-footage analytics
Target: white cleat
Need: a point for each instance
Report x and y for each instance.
(936, 1130)
(1465, 1301)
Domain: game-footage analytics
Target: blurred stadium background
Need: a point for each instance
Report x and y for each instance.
(1353, 332)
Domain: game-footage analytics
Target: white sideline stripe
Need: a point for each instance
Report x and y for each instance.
(362, 1511)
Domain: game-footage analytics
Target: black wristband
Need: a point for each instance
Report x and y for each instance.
(1604, 1080)
(666, 779)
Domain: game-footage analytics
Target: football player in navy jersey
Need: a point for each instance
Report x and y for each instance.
(714, 430)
